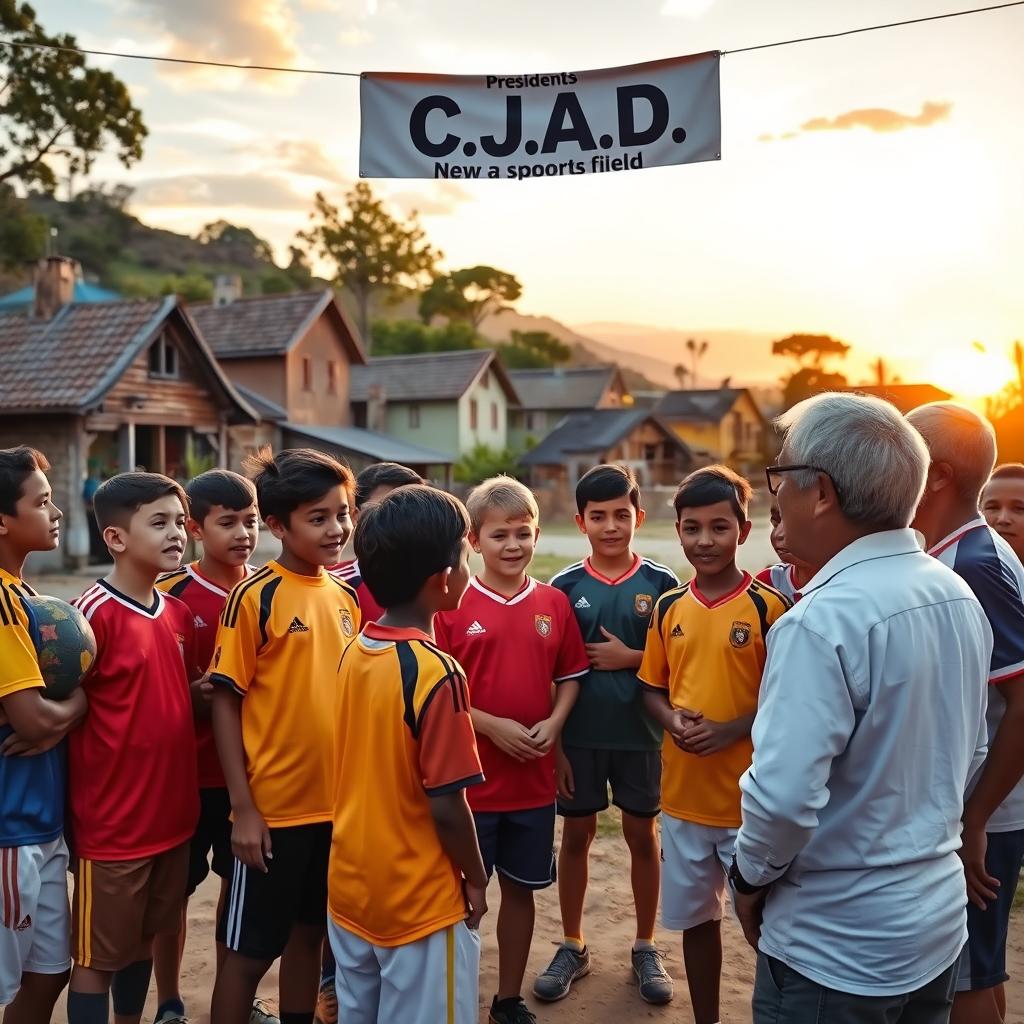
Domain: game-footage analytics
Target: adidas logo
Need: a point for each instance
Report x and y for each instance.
(582, 603)
(475, 629)
(677, 630)
(25, 925)
(298, 626)
(200, 623)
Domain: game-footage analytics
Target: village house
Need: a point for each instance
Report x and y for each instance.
(724, 424)
(547, 396)
(450, 401)
(101, 388)
(292, 357)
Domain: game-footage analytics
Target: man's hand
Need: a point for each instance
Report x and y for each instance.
(705, 736)
(250, 839)
(981, 886)
(750, 911)
(613, 655)
(513, 738)
(545, 734)
(476, 903)
(563, 775)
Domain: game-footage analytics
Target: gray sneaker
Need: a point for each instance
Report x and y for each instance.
(566, 967)
(654, 981)
(262, 1013)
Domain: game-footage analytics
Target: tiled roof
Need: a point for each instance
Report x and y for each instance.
(428, 377)
(68, 363)
(904, 396)
(376, 446)
(269, 325)
(576, 387)
(703, 406)
(595, 432)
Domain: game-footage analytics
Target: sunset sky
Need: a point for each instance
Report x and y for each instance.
(899, 230)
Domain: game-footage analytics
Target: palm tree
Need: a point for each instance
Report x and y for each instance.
(681, 373)
(696, 354)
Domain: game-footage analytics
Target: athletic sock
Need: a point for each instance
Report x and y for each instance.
(172, 1007)
(88, 1008)
(295, 1018)
(645, 944)
(130, 987)
(577, 945)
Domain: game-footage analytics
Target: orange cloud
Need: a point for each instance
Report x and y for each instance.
(880, 119)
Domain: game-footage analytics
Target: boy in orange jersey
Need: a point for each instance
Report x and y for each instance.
(701, 674)
(280, 637)
(223, 517)
(407, 882)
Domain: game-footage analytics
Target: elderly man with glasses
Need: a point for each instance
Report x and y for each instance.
(871, 719)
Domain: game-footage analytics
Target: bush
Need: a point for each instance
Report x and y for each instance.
(483, 462)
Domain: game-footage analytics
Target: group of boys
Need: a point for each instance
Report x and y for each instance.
(361, 745)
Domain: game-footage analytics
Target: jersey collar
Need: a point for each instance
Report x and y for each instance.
(193, 570)
(152, 612)
(521, 594)
(628, 574)
(948, 542)
(725, 599)
(392, 634)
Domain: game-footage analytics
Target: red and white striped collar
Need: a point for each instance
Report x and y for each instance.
(948, 542)
(726, 598)
(193, 570)
(524, 591)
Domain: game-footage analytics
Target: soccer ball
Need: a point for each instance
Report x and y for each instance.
(65, 645)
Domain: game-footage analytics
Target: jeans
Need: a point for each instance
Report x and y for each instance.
(784, 996)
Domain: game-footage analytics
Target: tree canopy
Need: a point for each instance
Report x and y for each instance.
(54, 108)
(533, 350)
(471, 294)
(812, 349)
(237, 244)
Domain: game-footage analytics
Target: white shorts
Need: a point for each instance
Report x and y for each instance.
(35, 920)
(694, 875)
(432, 981)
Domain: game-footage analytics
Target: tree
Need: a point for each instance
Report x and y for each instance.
(53, 107)
(483, 462)
(533, 350)
(236, 244)
(696, 354)
(410, 337)
(681, 373)
(810, 352)
(471, 294)
(370, 251)
(881, 374)
(191, 287)
(22, 234)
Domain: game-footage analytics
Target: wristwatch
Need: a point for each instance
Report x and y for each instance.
(739, 883)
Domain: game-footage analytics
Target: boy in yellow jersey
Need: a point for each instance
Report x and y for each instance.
(281, 635)
(407, 882)
(701, 673)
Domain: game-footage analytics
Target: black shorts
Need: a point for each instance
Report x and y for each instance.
(520, 844)
(983, 961)
(262, 907)
(212, 833)
(634, 777)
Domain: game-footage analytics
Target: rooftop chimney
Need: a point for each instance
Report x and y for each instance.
(226, 288)
(54, 286)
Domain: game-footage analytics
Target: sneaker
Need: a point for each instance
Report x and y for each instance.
(327, 1003)
(510, 1011)
(655, 983)
(171, 1012)
(566, 967)
(261, 1013)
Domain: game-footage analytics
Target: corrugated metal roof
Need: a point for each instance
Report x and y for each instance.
(595, 432)
(428, 376)
(377, 446)
(571, 387)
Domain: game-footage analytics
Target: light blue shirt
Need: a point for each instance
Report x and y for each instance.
(870, 722)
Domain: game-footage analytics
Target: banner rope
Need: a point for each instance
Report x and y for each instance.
(357, 74)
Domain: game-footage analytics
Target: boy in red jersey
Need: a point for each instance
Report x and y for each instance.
(223, 517)
(133, 793)
(514, 636)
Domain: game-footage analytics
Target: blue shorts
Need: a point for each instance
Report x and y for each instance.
(983, 961)
(520, 844)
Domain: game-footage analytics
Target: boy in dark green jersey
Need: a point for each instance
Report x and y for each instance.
(608, 737)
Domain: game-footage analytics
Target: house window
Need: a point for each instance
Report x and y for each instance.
(332, 377)
(414, 416)
(472, 414)
(494, 415)
(650, 452)
(163, 358)
(307, 373)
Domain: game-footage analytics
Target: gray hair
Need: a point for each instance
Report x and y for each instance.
(877, 461)
(961, 438)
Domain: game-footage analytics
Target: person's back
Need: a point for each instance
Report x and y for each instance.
(881, 854)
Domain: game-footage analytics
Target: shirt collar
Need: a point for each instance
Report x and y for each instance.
(937, 549)
(865, 549)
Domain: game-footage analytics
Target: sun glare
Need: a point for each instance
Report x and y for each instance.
(970, 373)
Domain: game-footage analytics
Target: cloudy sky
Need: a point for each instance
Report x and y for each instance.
(869, 187)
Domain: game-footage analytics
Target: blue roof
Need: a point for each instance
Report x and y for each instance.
(84, 292)
(382, 447)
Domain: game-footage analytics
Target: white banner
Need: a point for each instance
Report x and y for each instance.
(545, 125)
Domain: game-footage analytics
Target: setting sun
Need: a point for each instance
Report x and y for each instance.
(971, 372)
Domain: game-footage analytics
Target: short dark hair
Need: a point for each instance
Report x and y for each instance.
(383, 474)
(294, 477)
(116, 500)
(218, 487)
(602, 483)
(713, 484)
(16, 466)
(1008, 471)
(404, 539)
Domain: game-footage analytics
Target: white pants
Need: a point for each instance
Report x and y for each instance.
(694, 874)
(35, 920)
(432, 981)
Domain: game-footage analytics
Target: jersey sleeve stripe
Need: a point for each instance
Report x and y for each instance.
(454, 787)
(454, 683)
(5, 620)
(409, 668)
(761, 606)
(575, 567)
(93, 605)
(660, 568)
(665, 602)
(10, 605)
(230, 615)
(216, 679)
(266, 602)
(1003, 675)
(571, 675)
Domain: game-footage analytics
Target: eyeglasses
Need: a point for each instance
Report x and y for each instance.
(773, 471)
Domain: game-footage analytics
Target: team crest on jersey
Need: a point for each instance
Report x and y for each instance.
(739, 635)
(543, 624)
(348, 627)
(677, 631)
(643, 604)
